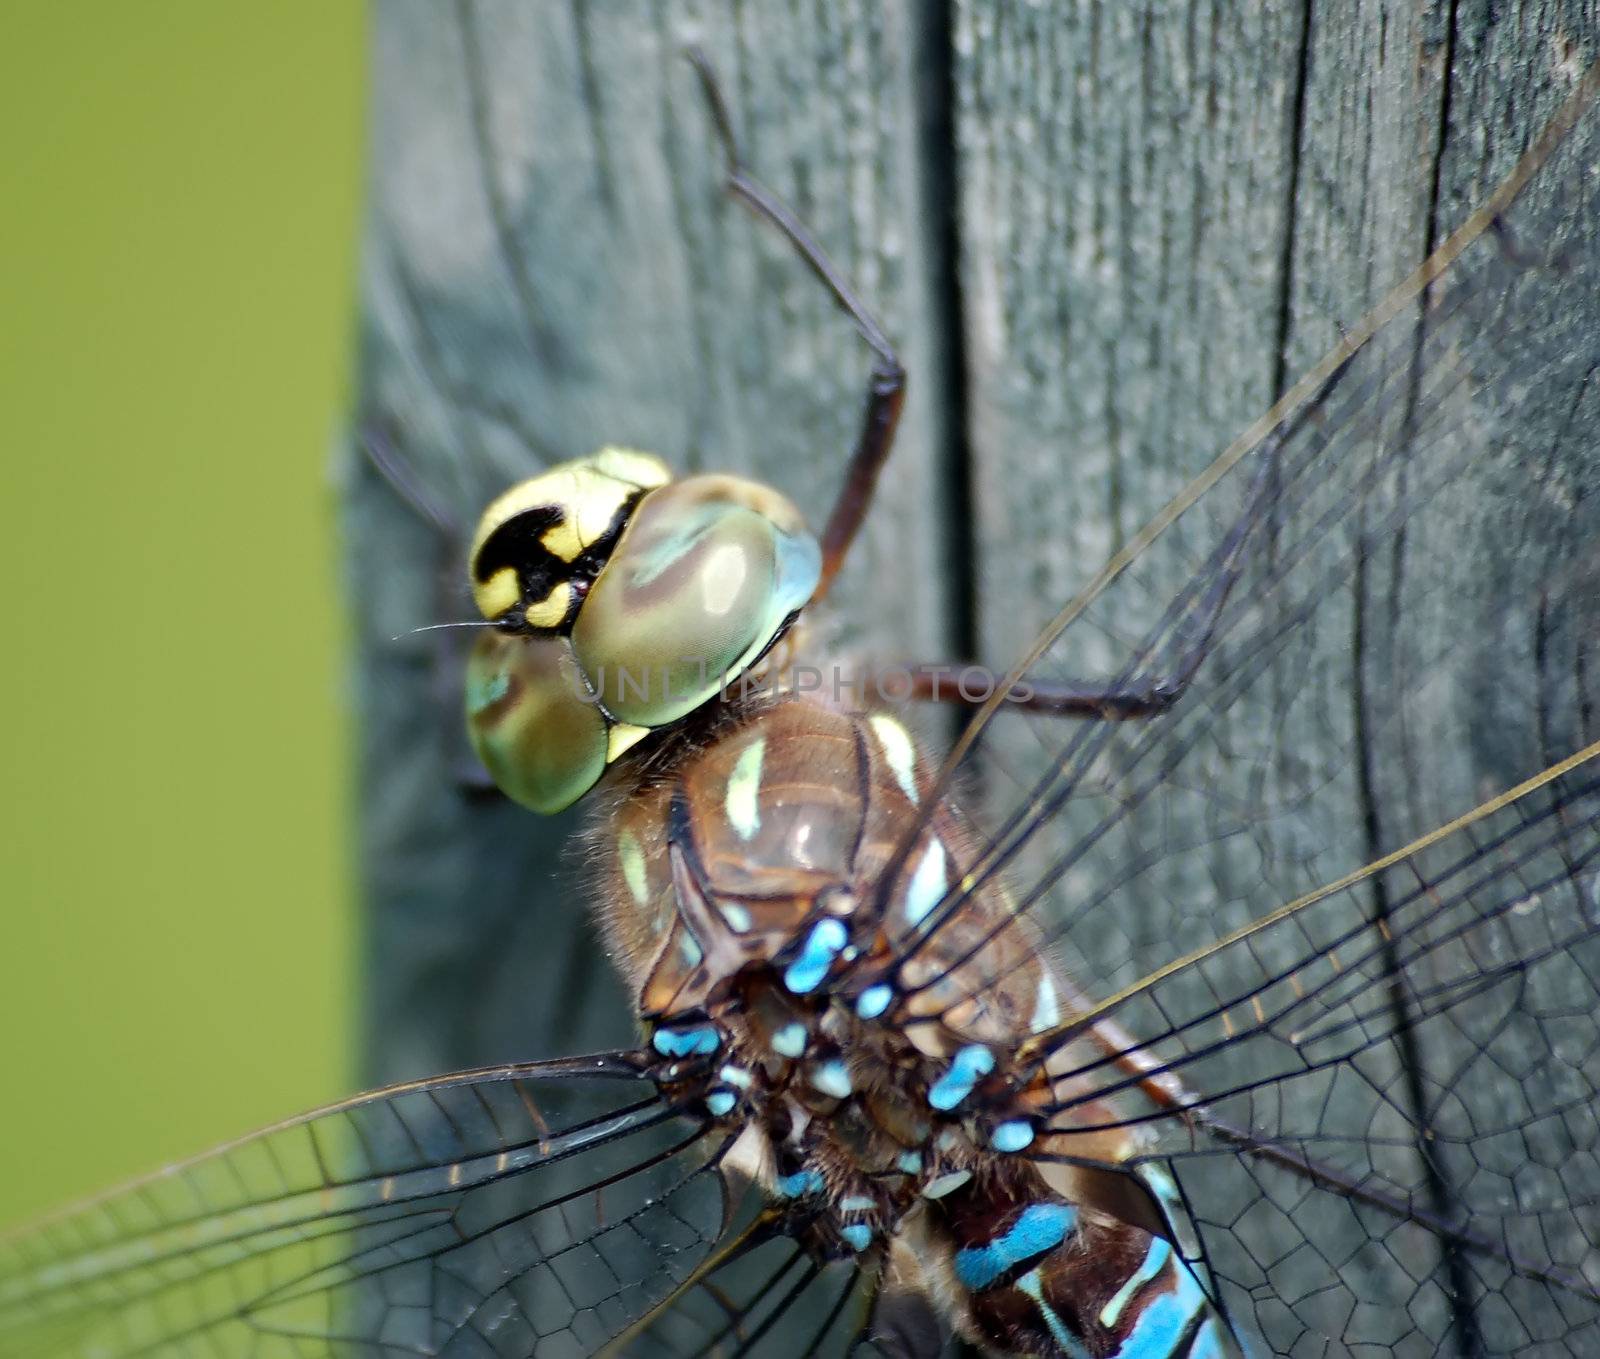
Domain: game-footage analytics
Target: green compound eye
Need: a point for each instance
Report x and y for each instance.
(704, 577)
(543, 744)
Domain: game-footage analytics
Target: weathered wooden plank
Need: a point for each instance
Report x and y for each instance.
(1168, 212)
(1165, 213)
(550, 265)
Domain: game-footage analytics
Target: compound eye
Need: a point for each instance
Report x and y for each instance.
(704, 577)
(539, 735)
(540, 545)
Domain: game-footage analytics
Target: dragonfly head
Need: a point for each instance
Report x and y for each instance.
(623, 600)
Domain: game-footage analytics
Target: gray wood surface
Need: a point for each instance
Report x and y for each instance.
(1105, 237)
(1168, 213)
(551, 265)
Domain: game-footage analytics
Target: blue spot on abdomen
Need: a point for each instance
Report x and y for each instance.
(967, 1067)
(1039, 1228)
(1012, 1136)
(1169, 1320)
(822, 945)
(874, 1000)
(858, 1236)
(799, 1184)
(790, 1040)
(696, 1042)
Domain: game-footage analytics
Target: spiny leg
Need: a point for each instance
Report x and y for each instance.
(448, 660)
(967, 686)
(1133, 698)
(401, 478)
(886, 385)
(1129, 697)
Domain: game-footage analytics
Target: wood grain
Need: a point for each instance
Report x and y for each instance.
(1105, 238)
(550, 266)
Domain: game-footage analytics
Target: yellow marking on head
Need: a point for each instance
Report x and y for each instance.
(640, 469)
(622, 738)
(627, 471)
(497, 594)
(387, 1189)
(601, 484)
(898, 750)
(585, 516)
(552, 609)
(455, 1174)
(743, 802)
(587, 491)
(548, 488)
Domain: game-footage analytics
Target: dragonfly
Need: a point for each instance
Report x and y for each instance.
(903, 1085)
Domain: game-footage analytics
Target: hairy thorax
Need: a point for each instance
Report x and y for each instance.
(820, 958)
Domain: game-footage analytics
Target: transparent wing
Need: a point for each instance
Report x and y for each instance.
(1433, 1065)
(767, 1296)
(536, 1209)
(1390, 612)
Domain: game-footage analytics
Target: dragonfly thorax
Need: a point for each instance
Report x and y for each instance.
(830, 1111)
(622, 601)
(857, 1050)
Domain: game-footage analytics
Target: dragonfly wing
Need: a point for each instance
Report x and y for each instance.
(529, 1209)
(776, 1302)
(1412, 1104)
(761, 1292)
(1393, 613)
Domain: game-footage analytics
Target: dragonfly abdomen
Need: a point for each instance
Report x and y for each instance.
(1042, 1276)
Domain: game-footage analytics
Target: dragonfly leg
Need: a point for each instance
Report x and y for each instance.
(448, 651)
(886, 385)
(401, 477)
(1132, 696)
(970, 685)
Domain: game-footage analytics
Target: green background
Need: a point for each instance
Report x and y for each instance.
(177, 253)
